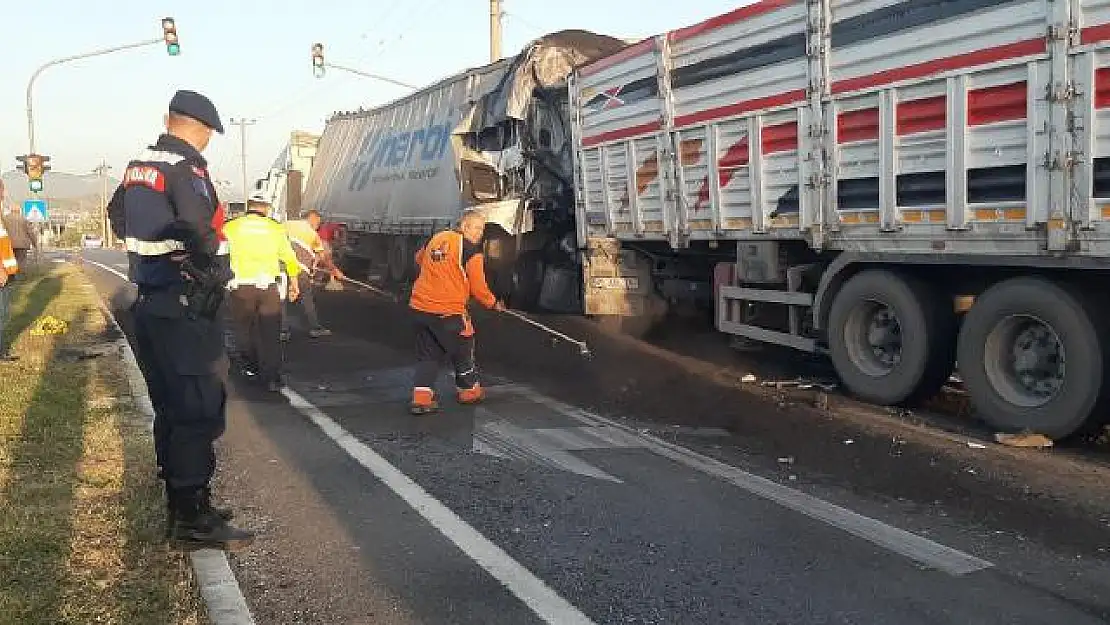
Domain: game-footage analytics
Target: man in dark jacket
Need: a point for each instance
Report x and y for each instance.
(22, 233)
(165, 210)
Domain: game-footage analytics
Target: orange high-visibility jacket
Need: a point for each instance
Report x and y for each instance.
(7, 254)
(451, 271)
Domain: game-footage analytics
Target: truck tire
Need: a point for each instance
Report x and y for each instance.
(400, 259)
(1031, 358)
(891, 337)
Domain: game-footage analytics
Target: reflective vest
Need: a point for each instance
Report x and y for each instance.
(306, 243)
(258, 246)
(451, 271)
(7, 255)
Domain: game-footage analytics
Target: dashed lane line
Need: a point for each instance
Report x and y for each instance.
(910, 545)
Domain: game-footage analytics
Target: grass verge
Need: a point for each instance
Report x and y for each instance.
(81, 511)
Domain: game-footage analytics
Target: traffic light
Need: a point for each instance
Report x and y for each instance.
(34, 165)
(169, 33)
(318, 60)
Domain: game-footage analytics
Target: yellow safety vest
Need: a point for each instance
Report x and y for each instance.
(258, 246)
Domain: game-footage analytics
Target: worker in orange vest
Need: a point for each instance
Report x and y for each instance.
(8, 268)
(452, 270)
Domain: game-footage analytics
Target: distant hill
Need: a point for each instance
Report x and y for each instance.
(57, 184)
(65, 193)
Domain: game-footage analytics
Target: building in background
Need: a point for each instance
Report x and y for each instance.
(284, 183)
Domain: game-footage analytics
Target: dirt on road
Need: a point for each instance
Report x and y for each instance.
(874, 452)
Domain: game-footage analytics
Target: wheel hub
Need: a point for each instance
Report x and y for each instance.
(874, 338)
(1025, 361)
(885, 338)
(1038, 360)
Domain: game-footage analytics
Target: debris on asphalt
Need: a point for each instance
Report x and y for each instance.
(748, 378)
(786, 460)
(974, 445)
(849, 442)
(1025, 439)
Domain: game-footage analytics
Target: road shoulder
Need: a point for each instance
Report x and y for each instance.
(81, 512)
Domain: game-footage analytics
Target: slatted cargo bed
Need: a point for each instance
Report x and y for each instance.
(919, 126)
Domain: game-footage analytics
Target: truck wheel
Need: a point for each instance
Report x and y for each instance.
(891, 337)
(1031, 358)
(399, 261)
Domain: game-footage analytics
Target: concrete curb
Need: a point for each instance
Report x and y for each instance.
(223, 599)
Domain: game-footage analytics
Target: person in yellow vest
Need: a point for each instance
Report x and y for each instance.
(259, 246)
(9, 267)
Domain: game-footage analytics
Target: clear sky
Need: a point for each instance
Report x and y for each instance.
(252, 58)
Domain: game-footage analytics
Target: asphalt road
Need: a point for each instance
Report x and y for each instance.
(636, 488)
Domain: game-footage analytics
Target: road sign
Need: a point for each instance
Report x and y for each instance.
(35, 210)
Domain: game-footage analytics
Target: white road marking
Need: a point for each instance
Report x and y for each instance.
(550, 447)
(912, 546)
(531, 590)
(223, 598)
(117, 272)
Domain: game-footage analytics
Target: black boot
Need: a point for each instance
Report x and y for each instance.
(224, 513)
(195, 525)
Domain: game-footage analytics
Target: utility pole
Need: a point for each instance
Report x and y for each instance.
(105, 228)
(243, 123)
(495, 14)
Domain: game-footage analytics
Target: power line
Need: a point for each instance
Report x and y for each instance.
(517, 18)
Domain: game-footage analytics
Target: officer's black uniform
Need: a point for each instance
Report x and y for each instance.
(164, 210)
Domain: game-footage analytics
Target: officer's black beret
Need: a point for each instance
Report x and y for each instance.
(200, 108)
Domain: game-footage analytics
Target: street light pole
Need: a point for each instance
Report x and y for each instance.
(369, 75)
(77, 57)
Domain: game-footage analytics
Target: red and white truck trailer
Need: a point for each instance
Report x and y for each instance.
(902, 184)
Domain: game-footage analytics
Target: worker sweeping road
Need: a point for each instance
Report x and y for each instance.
(451, 271)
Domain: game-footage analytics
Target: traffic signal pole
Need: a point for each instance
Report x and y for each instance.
(76, 57)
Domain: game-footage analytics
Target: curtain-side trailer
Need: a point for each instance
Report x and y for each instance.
(903, 185)
(494, 138)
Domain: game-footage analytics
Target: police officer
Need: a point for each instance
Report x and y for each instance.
(164, 211)
(259, 246)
